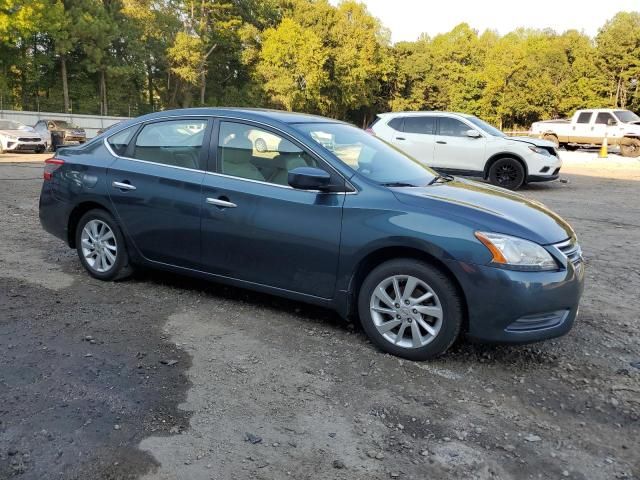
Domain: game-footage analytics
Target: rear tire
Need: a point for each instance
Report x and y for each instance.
(101, 246)
(551, 138)
(507, 173)
(630, 147)
(410, 309)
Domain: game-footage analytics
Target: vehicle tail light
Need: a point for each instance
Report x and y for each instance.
(50, 166)
(370, 130)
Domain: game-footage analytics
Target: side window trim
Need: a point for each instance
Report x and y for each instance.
(268, 128)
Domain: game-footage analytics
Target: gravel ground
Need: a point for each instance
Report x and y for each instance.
(164, 377)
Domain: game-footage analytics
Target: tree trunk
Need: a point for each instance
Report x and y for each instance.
(65, 85)
(203, 85)
(150, 85)
(104, 108)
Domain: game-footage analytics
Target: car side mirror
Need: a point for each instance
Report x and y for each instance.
(309, 178)
(611, 122)
(472, 133)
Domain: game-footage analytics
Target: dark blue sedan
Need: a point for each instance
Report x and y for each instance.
(320, 211)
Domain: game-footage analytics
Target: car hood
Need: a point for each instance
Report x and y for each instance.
(19, 133)
(489, 208)
(533, 141)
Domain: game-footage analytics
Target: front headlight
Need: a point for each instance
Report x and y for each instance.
(540, 150)
(516, 252)
(11, 137)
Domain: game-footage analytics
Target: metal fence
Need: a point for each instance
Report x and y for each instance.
(90, 123)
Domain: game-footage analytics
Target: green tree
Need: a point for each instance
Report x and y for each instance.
(292, 63)
(618, 44)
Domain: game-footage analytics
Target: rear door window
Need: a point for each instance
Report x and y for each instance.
(177, 143)
(584, 117)
(424, 125)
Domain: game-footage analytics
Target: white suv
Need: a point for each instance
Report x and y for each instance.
(465, 145)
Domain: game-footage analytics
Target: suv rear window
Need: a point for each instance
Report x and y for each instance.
(584, 117)
(396, 123)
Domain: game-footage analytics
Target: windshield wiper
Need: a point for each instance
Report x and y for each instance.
(398, 184)
(441, 178)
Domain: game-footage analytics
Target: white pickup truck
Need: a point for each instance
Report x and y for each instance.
(590, 127)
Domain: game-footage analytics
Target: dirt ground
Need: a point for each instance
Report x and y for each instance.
(164, 377)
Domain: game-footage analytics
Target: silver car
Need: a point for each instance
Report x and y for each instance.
(17, 137)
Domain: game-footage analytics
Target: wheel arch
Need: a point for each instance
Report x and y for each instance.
(498, 156)
(376, 257)
(76, 214)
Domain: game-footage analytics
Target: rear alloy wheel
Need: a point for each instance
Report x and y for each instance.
(410, 309)
(630, 147)
(507, 173)
(101, 246)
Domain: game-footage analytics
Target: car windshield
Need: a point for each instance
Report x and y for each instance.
(626, 116)
(65, 124)
(485, 127)
(11, 125)
(367, 154)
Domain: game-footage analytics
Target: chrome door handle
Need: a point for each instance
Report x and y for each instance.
(123, 186)
(221, 203)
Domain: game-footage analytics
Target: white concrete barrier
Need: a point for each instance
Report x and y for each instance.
(90, 123)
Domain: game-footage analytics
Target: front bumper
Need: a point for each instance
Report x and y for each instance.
(23, 146)
(507, 306)
(543, 178)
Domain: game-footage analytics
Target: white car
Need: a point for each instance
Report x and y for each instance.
(462, 144)
(17, 137)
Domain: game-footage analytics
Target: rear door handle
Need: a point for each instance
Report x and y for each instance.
(221, 203)
(441, 142)
(400, 138)
(123, 186)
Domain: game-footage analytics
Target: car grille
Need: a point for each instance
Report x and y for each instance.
(28, 139)
(571, 250)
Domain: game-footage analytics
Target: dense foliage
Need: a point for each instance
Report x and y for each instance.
(128, 57)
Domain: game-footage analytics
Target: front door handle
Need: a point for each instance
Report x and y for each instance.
(441, 142)
(400, 138)
(221, 203)
(123, 186)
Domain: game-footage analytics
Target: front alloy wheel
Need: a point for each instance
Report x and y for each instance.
(406, 311)
(410, 308)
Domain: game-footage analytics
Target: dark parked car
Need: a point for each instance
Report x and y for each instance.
(347, 222)
(58, 133)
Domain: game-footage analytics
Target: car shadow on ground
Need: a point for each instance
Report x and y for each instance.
(464, 351)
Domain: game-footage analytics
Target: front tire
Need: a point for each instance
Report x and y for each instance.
(630, 147)
(101, 246)
(507, 173)
(410, 309)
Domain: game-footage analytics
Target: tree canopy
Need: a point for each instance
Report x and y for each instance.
(128, 57)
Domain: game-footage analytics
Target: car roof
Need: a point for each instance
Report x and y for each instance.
(414, 113)
(244, 114)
